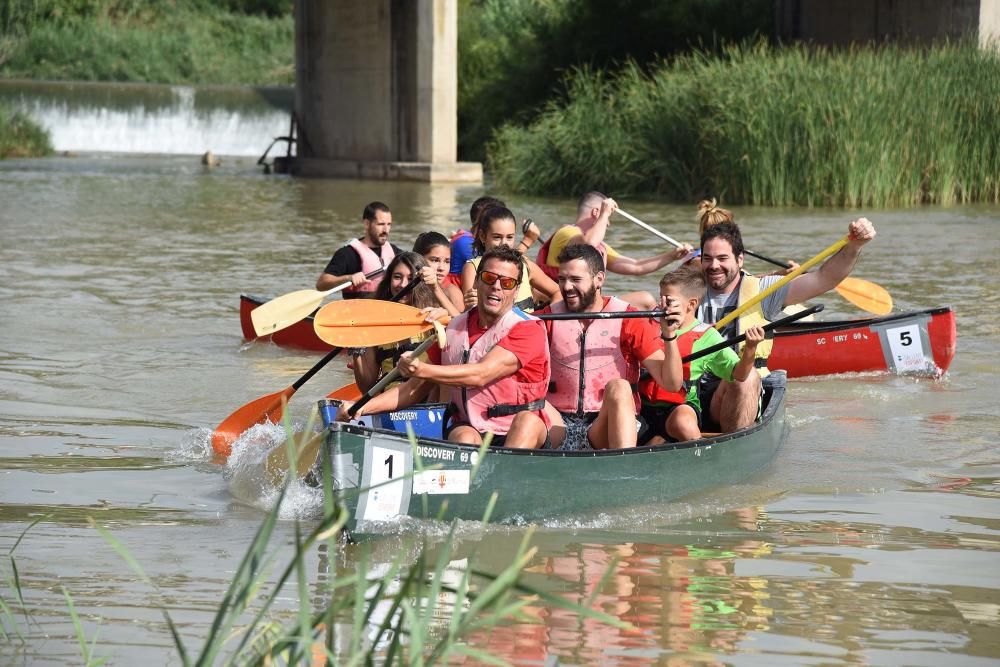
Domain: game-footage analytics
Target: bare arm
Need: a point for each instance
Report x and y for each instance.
(541, 282)
(665, 365)
(366, 369)
(329, 281)
(640, 267)
(498, 363)
(401, 396)
(745, 367)
(835, 269)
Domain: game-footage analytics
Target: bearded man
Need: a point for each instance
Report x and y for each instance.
(592, 398)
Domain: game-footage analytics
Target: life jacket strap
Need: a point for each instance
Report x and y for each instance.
(506, 409)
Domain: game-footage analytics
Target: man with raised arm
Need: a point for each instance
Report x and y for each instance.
(495, 365)
(362, 256)
(593, 216)
(595, 362)
(731, 406)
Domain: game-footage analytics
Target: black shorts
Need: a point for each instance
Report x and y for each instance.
(707, 386)
(654, 420)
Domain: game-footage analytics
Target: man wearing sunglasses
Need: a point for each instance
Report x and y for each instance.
(595, 362)
(495, 365)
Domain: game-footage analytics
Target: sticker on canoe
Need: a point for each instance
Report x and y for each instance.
(906, 348)
(434, 482)
(385, 502)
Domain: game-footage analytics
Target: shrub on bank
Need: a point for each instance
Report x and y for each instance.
(762, 125)
(124, 40)
(21, 137)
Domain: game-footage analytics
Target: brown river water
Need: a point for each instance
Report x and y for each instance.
(872, 538)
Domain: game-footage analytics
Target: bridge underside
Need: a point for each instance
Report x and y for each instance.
(376, 90)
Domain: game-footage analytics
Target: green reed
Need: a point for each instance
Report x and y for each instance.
(886, 126)
(247, 630)
(159, 42)
(21, 137)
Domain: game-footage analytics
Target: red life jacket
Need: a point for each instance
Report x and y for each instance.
(370, 262)
(586, 358)
(490, 409)
(654, 393)
(553, 271)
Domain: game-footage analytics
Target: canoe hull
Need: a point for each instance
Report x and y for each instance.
(435, 479)
(919, 342)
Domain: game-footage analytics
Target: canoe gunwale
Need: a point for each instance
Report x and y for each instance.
(774, 406)
(806, 328)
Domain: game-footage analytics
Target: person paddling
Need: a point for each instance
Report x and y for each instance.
(495, 365)
(593, 217)
(362, 256)
(595, 363)
(677, 414)
(371, 363)
(732, 406)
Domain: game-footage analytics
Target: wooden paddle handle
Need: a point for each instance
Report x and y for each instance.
(736, 340)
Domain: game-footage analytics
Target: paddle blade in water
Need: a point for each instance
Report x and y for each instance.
(285, 310)
(266, 408)
(866, 295)
(364, 322)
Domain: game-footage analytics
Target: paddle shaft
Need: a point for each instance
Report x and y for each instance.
(391, 376)
(652, 230)
(770, 260)
(337, 350)
(342, 286)
(736, 340)
(763, 294)
(610, 315)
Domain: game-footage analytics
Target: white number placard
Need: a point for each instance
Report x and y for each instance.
(906, 348)
(386, 501)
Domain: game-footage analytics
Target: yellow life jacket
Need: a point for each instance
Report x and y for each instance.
(749, 288)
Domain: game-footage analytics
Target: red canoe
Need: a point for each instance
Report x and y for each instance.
(920, 342)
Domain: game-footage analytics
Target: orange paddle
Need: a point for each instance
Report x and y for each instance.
(364, 322)
(272, 407)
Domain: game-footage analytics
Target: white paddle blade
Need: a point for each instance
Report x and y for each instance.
(285, 311)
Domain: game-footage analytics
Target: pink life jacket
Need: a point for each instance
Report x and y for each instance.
(542, 259)
(586, 358)
(490, 409)
(370, 262)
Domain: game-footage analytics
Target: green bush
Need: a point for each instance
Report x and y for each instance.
(157, 42)
(513, 54)
(21, 137)
(773, 126)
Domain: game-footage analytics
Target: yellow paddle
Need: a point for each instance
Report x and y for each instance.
(864, 294)
(287, 309)
(784, 281)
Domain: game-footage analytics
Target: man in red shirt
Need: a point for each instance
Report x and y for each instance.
(595, 362)
(495, 365)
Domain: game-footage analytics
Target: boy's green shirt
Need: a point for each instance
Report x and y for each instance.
(721, 363)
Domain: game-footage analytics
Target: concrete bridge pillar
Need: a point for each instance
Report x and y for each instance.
(376, 90)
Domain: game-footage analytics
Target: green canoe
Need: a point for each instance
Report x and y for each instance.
(434, 478)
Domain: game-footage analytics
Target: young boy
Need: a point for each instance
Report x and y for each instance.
(677, 415)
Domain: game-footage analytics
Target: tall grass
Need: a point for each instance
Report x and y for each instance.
(21, 137)
(158, 42)
(886, 126)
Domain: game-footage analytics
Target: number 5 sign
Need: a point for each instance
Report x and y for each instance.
(906, 345)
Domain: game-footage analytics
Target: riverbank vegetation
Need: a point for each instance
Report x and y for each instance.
(763, 125)
(163, 41)
(21, 137)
